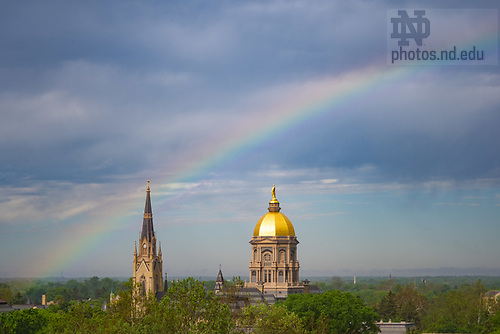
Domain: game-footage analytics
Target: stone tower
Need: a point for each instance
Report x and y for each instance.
(274, 267)
(147, 262)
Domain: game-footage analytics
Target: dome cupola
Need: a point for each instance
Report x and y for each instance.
(274, 223)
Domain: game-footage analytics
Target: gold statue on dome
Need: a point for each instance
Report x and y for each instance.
(274, 193)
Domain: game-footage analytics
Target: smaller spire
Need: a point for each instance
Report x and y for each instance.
(159, 251)
(219, 282)
(135, 250)
(220, 278)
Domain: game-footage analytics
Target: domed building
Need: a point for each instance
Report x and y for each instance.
(274, 268)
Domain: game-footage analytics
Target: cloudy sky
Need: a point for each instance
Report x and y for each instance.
(382, 168)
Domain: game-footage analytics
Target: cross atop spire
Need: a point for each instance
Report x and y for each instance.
(147, 223)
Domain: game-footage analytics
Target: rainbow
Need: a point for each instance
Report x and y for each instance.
(318, 98)
(331, 94)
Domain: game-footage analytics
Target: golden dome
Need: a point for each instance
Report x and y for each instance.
(274, 223)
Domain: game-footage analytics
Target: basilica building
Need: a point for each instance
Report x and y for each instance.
(148, 261)
(274, 268)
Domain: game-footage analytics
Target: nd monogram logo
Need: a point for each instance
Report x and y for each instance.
(418, 27)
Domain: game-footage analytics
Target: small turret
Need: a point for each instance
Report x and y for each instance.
(219, 282)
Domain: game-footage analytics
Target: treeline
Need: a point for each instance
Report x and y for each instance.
(435, 305)
(190, 307)
(59, 292)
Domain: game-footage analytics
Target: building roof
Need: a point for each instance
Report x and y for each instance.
(24, 306)
(148, 231)
(274, 223)
(492, 293)
(4, 307)
(394, 327)
(314, 289)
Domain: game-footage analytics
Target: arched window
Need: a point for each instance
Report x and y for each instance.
(282, 256)
(253, 278)
(267, 259)
(280, 277)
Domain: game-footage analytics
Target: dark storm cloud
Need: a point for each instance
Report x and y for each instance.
(427, 126)
(82, 83)
(91, 90)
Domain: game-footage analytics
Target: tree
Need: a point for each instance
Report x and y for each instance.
(337, 283)
(459, 311)
(387, 308)
(24, 321)
(275, 319)
(387, 285)
(333, 312)
(18, 299)
(186, 308)
(5, 292)
(411, 304)
(195, 309)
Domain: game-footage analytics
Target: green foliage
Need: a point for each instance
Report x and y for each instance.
(459, 311)
(333, 312)
(186, 308)
(275, 319)
(194, 309)
(25, 321)
(411, 304)
(81, 317)
(18, 298)
(405, 304)
(6, 292)
(436, 305)
(92, 288)
(388, 309)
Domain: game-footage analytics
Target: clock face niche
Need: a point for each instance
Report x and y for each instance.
(144, 246)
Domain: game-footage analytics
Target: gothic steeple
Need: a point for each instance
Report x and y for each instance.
(220, 278)
(148, 232)
(219, 282)
(147, 264)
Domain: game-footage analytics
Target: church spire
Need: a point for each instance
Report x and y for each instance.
(147, 223)
(220, 278)
(219, 282)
